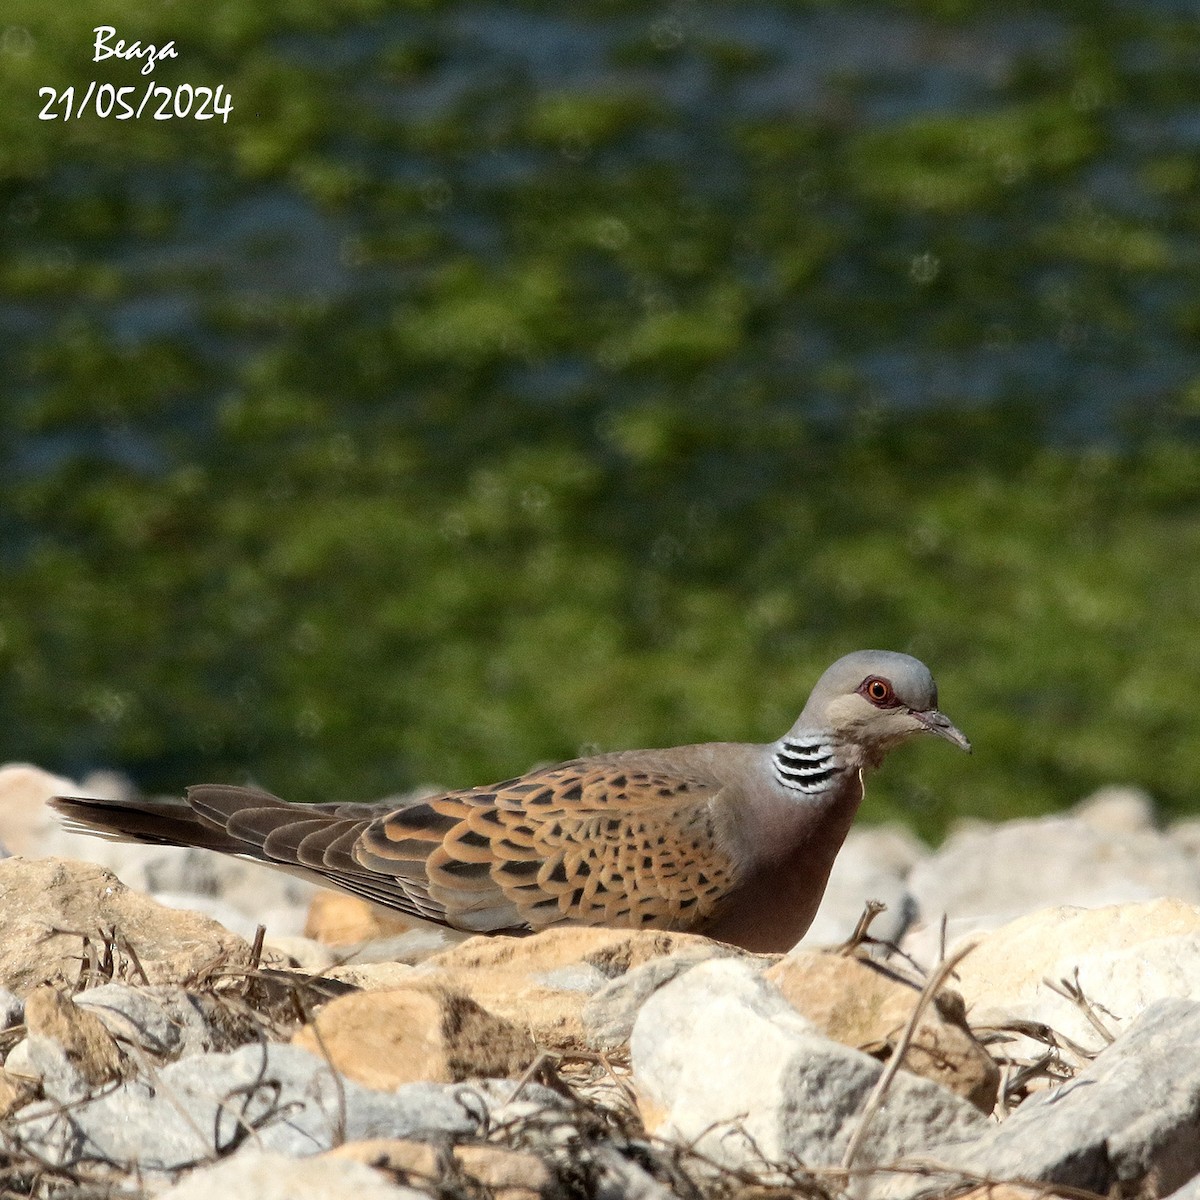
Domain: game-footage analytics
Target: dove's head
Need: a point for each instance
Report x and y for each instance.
(876, 699)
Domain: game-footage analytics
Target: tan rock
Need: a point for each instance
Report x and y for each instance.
(373, 977)
(51, 905)
(1123, 957)
(541, 983)
(336, 919)
(400, 1156)
(515, 1174)
(611, 951)
(269, 1175)
(89, 1047)
(1007, 1191)
(505, 1174)
(427, 1032)
(866, 1007)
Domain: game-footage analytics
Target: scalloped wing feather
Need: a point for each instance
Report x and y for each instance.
(634, 839)
(586, 842)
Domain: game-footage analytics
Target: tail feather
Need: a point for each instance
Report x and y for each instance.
(152, 822)
(314, 841)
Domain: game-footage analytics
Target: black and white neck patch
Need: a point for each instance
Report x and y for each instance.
(805, 764)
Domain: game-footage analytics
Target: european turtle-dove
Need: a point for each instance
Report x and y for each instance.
(732, 840)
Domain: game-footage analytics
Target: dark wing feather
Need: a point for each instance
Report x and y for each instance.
(159, 822)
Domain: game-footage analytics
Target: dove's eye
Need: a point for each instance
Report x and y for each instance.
(879, 692)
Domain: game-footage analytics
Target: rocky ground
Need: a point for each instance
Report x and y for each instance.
(1035, 1027)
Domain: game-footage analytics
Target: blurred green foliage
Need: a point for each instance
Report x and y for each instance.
(498, 384)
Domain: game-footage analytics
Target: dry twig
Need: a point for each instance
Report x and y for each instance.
(875, 1100)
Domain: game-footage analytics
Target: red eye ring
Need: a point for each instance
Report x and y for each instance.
(879, 691)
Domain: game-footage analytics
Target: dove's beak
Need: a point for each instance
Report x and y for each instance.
(935, 722)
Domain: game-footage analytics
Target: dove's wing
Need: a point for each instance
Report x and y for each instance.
(624, 839)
